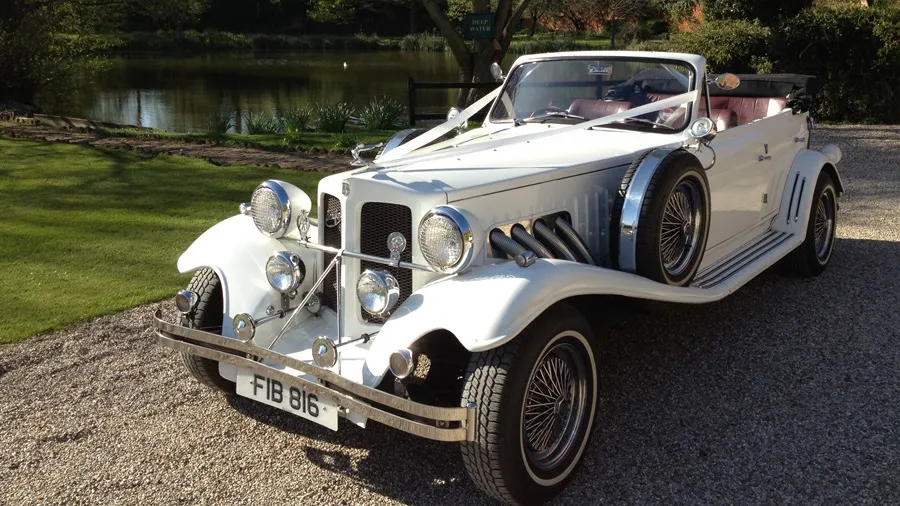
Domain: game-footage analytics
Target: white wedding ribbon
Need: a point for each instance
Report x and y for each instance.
(440, 130)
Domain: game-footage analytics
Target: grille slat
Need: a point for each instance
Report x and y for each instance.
(378, 220)
(332, 207)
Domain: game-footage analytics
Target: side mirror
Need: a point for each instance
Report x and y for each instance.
(703, 129)
(728, 81)
(496, 71)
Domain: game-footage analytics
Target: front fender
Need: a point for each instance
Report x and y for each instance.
(238, 253)
(491, 304)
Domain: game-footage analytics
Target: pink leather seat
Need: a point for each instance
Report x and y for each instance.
(746, 109)
(593, 109)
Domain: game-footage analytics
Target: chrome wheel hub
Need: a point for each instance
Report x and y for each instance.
(555, 403)
(678, 235)
(823, 225)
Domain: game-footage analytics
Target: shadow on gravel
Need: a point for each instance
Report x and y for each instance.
(786, 391)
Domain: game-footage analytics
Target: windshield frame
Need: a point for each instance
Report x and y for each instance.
(692, 87)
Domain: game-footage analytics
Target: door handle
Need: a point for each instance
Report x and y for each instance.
(763, 158)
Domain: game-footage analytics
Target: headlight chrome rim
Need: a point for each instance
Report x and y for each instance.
(466, 234)
(294, 266)
(386, 283)
(284, 202)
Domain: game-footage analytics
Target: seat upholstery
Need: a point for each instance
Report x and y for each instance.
(593, 109)
(746, 109)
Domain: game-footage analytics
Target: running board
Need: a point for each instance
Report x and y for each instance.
(753, 258)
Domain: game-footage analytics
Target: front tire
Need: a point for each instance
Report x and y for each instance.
(207, 315)
(536, 399)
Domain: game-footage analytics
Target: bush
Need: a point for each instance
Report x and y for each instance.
(423, 42)
(729, 46)
(261, 122)
(855, 53)
(294, 122)
(344, 142)
(333, 118)
(219, 122)
(382, 113)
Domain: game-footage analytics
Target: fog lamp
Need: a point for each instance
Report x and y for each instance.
(186, 301)
(401, 363)
(285, 271)
(378, 292)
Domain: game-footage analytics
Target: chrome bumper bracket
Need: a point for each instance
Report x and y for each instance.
(432, 422)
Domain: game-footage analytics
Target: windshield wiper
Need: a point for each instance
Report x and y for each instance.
(553, 114)
(649, 122)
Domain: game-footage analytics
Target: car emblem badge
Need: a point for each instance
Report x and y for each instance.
(333, 218)
(345, 188)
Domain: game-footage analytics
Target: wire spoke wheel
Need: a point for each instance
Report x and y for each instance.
(681, 227)
(823, 224)
(555, 404)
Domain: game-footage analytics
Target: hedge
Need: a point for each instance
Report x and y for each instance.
(855, 53)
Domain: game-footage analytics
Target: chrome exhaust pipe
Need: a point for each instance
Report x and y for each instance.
(547, 237)
(571, 237)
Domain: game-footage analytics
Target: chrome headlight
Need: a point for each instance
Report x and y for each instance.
(446, 239)
(271, 209)
(378, 291)
(285, 271)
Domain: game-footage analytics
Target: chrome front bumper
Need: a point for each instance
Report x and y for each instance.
(432, 422)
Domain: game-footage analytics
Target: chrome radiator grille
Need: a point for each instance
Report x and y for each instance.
(377, 221)
(331, 209)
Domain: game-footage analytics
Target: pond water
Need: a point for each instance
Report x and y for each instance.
(178, 93)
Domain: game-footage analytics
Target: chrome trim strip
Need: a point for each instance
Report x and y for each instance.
(368, 258)
(745, 256)
(799, 198)
(175, 336)
(631, 208)
(791, 200)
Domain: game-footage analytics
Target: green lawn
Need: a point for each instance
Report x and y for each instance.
(85, 231)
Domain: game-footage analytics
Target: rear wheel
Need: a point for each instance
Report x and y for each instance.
(536, 399)
(207, 315)
(811, 258)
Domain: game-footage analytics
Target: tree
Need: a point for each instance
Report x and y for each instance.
(475, 58)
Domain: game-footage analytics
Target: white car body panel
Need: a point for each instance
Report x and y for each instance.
(509, 175)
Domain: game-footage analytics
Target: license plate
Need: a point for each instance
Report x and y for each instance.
(291, 399)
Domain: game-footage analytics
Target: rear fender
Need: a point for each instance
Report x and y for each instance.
(796, 199)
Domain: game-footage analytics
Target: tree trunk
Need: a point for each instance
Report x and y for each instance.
(534, 17)
(612, 34)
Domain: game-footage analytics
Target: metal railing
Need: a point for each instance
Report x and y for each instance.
(413, 87)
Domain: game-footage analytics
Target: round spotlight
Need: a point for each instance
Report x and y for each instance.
(186, 301)
(244, 327)
(402, 363)
(378, 292)
(324, 352)
(285, 271)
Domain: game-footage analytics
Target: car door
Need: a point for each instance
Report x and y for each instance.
(738, 180)
(787, 135)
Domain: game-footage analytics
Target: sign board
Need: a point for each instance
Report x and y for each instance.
(478, 25)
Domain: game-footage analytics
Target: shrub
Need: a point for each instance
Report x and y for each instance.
(294, 122)
(382, 113)
(729, 46)
(260, 122)
(855, 53)
(344, 142)
(423, 42)
(333, 117)
(219, 122)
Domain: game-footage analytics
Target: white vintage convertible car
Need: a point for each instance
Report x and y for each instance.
(445, 287)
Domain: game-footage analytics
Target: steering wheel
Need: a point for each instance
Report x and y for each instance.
(545, 110)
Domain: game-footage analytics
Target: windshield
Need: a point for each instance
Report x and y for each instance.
(575, 90)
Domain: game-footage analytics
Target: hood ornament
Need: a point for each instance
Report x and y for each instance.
(362, 148)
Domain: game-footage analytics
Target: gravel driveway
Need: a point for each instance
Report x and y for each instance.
(788, 391)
